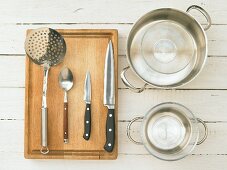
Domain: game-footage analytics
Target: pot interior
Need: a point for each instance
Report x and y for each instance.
(169, 131)
(166, 47)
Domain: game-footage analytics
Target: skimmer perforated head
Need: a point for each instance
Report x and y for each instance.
(45, 46)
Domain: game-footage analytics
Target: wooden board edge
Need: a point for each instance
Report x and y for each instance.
(72, 157)
(93, 31)
(114, 155)
(26, 114)
(26, 117)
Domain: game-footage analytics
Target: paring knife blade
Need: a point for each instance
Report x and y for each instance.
(87, 99)
(109, 98)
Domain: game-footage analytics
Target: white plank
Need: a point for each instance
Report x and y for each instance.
(217, 132)
(13, 36)
(12, 136)
(209, 105)
(211, 77)
(212, 145)
(12, 103)
(13, 161)
(97, 11)
(12, 71)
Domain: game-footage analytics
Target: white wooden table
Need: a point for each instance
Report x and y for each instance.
(206, 96)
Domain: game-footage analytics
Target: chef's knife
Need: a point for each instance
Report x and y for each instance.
(87, 99)
(109, 98)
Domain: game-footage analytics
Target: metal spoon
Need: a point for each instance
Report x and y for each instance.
(65, 80)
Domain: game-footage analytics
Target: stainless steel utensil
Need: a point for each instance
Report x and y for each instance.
(109, 98)
(87, 99)
(169, 131)
(166, 48)
(65, 80)
(46, 47)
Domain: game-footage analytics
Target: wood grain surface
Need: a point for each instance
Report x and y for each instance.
(86, 51)
(206, 96)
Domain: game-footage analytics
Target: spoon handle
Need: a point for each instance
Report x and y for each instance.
(65, 123)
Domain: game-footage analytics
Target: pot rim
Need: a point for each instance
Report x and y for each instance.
(177, 84)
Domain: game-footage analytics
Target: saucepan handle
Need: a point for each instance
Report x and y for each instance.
(202, 11)
(129, 85)
(206, 131)
(129, 132)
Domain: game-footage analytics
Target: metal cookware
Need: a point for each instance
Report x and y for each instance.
(46, 47)
(166, 48)
(65, 80)
(169, 131)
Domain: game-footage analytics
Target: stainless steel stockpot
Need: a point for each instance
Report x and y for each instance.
(169, 131)
(166, 48)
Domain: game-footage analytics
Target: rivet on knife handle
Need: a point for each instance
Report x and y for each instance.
(87, 122)
(65, 124)
(110, 131)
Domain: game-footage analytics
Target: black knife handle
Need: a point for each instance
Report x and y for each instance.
(87, 122)
(110, 131)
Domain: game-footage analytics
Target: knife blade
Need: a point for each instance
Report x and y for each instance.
(109, 98)
(87, 99)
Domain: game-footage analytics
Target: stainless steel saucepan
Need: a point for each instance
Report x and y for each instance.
(169, 131)
(166, 48)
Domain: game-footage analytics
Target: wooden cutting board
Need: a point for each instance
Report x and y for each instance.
(86, 50)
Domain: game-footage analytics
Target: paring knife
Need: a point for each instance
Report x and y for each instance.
(87, 99)
(109, 98)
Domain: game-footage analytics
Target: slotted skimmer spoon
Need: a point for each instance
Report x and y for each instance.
(45, 47)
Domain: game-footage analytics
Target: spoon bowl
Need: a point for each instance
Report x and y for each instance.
(65, 79)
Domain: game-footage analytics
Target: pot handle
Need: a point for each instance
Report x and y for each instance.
(129, 133)
(129, 85)
(206, 131)
(202, 11)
